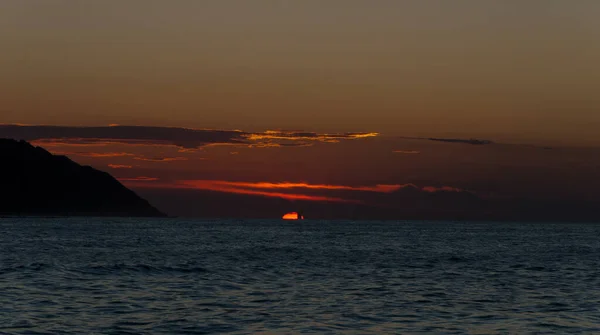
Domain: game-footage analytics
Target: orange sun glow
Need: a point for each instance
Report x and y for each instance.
(292, 216)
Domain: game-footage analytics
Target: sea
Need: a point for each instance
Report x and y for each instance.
(176, 276)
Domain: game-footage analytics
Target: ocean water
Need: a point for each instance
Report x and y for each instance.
(130, 276)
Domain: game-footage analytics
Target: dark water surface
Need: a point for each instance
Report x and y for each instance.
(126, 276)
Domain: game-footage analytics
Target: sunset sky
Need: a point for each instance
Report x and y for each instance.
(342, 107)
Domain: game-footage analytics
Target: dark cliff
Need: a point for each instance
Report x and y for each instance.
(35, 182)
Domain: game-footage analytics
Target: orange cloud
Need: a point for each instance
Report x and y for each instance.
(138, 179)
(161, 159)
(172, 136)
(433, 189)
(117, 166)
(269, 189)
(306, 136)
(227, 187)
(93, 154)
(103, 154)
(279, 145)
(189, 150)
(67, 143)
(96, 142)
(287, 185)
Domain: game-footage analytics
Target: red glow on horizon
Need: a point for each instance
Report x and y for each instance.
(226, 187)
(269, 189)
(220, 186)
(287, 185)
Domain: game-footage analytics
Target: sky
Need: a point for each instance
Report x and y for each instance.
(298, 93)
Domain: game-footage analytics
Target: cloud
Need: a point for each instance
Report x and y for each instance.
(307, 136)
(94, 142)
(432, 189)
(46, 143)
(289, 190)
(280, 145)
(472, 141)
(138, 179)
(161, 159)
(408, 152)
(189, 150)
(459, 140)
(184, 138)
(227, 187)
(95, 154)
(288, 196)
(118, 166)
(119, 154)
(288, 185)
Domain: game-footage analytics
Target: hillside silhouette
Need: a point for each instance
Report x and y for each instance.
(35, 182)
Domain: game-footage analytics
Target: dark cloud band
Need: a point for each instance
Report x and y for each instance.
(181, 137)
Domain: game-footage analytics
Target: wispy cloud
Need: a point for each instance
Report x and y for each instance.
(288, 185)
(161, 159)
(96, 154)
(472, 141)
(288, 196)
(119, 166)
(185, 138)
(307, 136)
(138, 179)
(280, 145)
(432, 189)
(49, 143)
(290, 190)
(226, 187)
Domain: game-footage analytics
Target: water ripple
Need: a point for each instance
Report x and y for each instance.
(73, 276)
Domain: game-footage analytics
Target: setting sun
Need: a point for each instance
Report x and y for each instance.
(293, 216)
